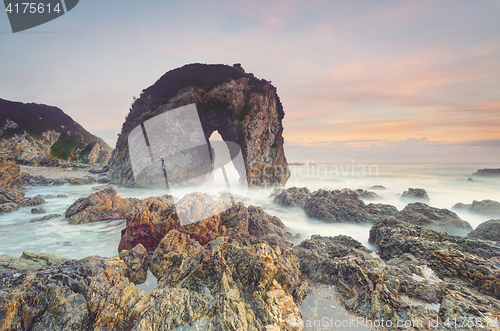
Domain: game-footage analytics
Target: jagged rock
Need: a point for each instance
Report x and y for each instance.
(466, 260)
(242, 108)
(103, 157)
(415, 194)
(419, 213)
(45, 218)
(11, 200)
(336, 206)
(100, 206)
(39, 210)
(10, 175)
(157, 216)
(293, 196)
(485, 207)
(29, 261)
(49, 162)
(236, 281)
(81, 181)
(487, 172)
(92, 294)
(367, 286)
(489, 230)
(90, 153)
(137, 263)
(382, 210)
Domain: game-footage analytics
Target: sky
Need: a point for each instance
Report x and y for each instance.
(363, 81)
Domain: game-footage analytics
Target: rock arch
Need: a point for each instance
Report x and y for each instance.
(242, 108)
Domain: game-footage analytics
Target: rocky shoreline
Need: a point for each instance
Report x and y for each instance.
(238, 270)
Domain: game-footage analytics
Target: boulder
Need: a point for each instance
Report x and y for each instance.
(336, 206)
(101, 206)
(489, 230)
(365, 194)
(243, 109)
(292, 197)
(157, 216)
(485, 207)
(421, 214)
(382, 210)
(10, 175)
(418, 194)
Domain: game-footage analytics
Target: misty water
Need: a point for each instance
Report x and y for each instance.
(446, 184)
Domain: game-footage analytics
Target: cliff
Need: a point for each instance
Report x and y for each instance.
(29, 132)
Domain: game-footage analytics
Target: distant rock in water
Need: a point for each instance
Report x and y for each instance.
(470, 179)
(344, 206)
(439, 219)
(415, 194)
(242, 108)
(36, 134)
(487, 172)
(100, 206)
(489, 230)
(377, 187)
(485, 207)
(291, 197)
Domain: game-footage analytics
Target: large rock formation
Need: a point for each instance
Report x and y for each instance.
(31, 132)
(242, 108)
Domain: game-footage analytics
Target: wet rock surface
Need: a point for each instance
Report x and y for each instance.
(485, 207)
(242, 108)
(421, 214)
(100, 206)
(489, 230)
(45, 218)
(368, 286)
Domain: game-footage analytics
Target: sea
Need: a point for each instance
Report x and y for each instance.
(446, 185)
